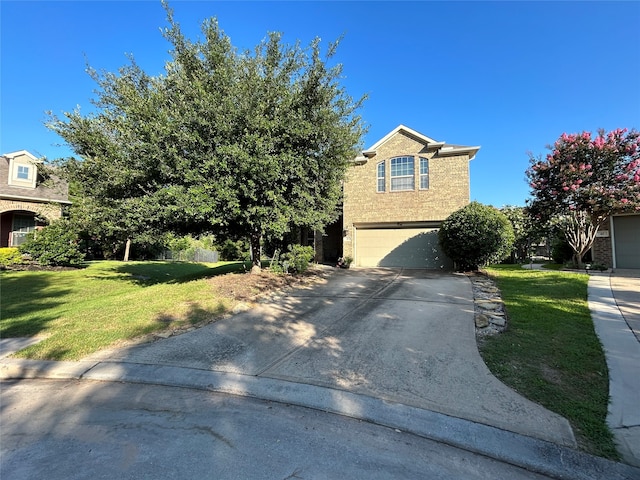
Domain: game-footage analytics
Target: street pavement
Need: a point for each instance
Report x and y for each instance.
(391, 347)
(70, 429)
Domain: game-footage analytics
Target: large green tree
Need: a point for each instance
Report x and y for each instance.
(241, 144)
(527, 230)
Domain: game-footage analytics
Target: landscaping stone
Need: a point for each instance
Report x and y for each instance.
(482, 321)
(498, 321)
(490, 315)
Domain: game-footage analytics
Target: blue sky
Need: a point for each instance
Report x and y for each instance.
(508, 76)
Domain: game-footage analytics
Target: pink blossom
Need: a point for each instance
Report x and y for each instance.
(624, 200)
(599, 142)
(565, 188)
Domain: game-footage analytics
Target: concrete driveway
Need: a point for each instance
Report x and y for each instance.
(398, 335)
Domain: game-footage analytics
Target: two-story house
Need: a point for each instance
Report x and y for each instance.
(396, 196)
(26, 203)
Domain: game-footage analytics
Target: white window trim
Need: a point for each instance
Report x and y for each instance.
(383, 177)
(16, 181)
(423, 175)
(412, 176)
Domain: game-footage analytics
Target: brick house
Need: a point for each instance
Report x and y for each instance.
(396, 195)
(25, 202)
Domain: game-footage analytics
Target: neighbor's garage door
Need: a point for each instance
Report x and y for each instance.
(399, 247)
(627, 240)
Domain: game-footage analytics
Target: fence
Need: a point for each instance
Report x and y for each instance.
(190, 255)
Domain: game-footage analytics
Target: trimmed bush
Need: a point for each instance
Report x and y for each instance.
(298, 258)
(54, 245)
(476, 235)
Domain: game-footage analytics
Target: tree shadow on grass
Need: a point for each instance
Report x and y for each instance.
(152, 273)
(22, 296)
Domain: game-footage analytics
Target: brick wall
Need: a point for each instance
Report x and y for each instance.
(50, 211)
(601, 251)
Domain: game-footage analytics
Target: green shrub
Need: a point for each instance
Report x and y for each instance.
(298, 258)
(56, 244)
(10, 256)
(476, 235)
(231, 250)
(561, 251)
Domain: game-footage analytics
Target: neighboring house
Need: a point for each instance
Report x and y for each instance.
(617, 244)
(397, 194)
(25, 202)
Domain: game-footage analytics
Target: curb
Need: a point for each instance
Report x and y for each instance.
(529, 453)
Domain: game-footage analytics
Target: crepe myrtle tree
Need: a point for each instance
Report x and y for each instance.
(239, 144)
(583, 181)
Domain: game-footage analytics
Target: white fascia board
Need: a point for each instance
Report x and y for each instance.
(410, 131)
(21, 153)
(455, 150)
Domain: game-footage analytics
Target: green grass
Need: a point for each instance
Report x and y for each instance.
(550, 352)
(552, 266)
(81, 311)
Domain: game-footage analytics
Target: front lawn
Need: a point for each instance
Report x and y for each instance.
(84, 310)
(550, 352)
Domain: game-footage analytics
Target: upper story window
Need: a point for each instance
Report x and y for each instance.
(23, 172)
(402, 174)
(381, 176)
(424, 173)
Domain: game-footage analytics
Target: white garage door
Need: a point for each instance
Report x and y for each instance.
(627, 241)
(400, 247)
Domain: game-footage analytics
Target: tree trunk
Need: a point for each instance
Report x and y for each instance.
(580, 232)
(255, 239)
(126, 250)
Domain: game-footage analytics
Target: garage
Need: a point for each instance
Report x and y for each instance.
(399, 247)
(626, 230)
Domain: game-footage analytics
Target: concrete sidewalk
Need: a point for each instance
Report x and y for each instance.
(614, 301)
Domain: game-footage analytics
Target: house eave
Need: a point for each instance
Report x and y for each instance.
(33, 199)
(451, 151)
(360, 160)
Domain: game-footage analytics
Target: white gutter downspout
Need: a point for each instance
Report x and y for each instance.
(613, 243)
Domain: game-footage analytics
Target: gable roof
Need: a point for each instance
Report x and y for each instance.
(39, 192)
(444, 149)
(21, 153)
